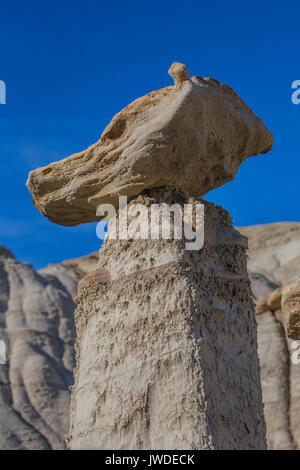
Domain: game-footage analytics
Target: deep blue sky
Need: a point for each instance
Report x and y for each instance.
(70, 66)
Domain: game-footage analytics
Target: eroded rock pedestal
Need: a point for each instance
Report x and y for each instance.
(166, 346)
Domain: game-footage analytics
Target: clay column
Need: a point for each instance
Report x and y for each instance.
(166, 335)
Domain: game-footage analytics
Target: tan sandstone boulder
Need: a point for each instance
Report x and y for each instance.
(271, 303)
(291, 307)
(193, 136)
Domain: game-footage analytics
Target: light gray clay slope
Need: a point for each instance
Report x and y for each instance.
(166, 338)
(166, 345)
(37, 326)
(276, 380)
(69, 272)
(274, 251)
(274, 260)
(192, 136)
(280, 378)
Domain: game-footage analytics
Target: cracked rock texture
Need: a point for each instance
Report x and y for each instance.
(274, 261)
(291, 307)
(166, 346)
(37, 326)
(193, 136)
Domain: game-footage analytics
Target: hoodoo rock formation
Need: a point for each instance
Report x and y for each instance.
(279, 360)
(167, 346)
(166, 336)
(273, 262)
(37, 328)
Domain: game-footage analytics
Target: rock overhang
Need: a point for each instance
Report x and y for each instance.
(191, 136)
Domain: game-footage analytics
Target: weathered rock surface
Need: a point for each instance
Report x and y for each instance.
(262, 285)
(274, 252)
(37, 326)
(271, 303)
(291, 308)
(69, 272)
(193, 136)
(166, 337)
(274, 259)
(275, 379)
(166, 346)
(280, 377)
